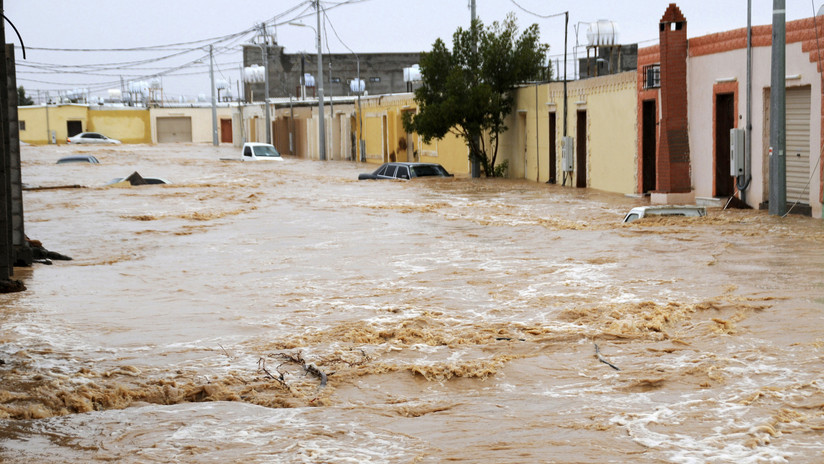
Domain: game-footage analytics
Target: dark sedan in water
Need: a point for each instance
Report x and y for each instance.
(406, 171)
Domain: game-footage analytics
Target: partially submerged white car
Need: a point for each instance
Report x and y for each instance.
(254, 151)
(664, 210)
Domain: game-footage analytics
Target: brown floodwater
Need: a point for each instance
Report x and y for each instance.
(285, 312)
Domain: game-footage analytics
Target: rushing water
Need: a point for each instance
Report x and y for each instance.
(285, 312)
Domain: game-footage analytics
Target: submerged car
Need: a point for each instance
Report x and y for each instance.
(136, 179)
(93, 138)
(253, 151)
(146, 181)
(664, 210)
(78, 159)
(406, 171)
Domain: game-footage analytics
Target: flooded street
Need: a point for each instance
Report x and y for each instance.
(286, 312)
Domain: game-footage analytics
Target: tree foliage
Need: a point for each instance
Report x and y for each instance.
(467, 90)
(22, 98)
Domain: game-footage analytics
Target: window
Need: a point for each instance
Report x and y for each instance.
(336, 80)
(381, 171)
(374, 79)
(652, 76)
(390, 171)
(22, 125)
(403, 172)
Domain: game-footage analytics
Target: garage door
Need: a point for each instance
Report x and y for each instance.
(170, 130)
(798, 144)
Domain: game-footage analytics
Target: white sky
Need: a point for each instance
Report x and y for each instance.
(364, 25)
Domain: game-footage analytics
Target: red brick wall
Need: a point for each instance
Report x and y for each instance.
(673, 147)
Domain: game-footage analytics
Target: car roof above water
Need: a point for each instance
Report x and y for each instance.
(665, 210)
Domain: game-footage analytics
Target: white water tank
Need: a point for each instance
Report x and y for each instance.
(357, 85)
(254, 74)
(602, 33)
(412, 73)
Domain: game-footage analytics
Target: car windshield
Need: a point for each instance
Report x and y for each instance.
(429, 170)
(266, 150)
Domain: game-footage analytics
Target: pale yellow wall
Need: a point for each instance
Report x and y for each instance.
(613, 134)
(128, 125)
(373, 136)
(40, 120)
(35, 120)
(610, 103)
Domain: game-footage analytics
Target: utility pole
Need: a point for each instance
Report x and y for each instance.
(331, 109)
(214, 99)
(265, 51)
(778, 133)
(743, 181)
(475, 166)
(321, 121)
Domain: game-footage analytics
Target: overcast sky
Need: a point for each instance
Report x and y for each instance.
(363, 25)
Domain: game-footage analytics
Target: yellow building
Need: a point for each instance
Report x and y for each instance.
(601, 121)
(40, 125)
(386, 140)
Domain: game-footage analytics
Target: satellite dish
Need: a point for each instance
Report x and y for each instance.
(820, 11)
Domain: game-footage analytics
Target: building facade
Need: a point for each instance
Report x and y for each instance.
(382, 73)
(698, 87)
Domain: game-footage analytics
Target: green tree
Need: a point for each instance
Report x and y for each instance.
(468, 92)
(22, 98)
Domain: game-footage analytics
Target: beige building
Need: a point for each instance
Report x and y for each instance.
(600, 119)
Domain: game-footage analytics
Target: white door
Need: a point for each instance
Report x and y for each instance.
(798, 144)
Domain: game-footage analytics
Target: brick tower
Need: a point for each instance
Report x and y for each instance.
(673, 146)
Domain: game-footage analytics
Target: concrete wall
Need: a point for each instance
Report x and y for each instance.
(382, 73)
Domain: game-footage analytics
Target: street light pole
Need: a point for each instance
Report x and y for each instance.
(321, 121)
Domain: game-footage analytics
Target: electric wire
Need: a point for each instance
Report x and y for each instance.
(221, 44)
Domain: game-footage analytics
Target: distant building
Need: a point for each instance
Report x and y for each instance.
(604, 60)
(382, 73)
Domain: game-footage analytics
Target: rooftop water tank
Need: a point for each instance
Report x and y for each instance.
(602, 33)
(357, 85)
(254, 74)
(412, 73)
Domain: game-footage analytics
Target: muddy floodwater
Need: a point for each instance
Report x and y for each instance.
(285, 312)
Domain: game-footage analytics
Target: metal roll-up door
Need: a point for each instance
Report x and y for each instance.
(798, 144)
(176, 129)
